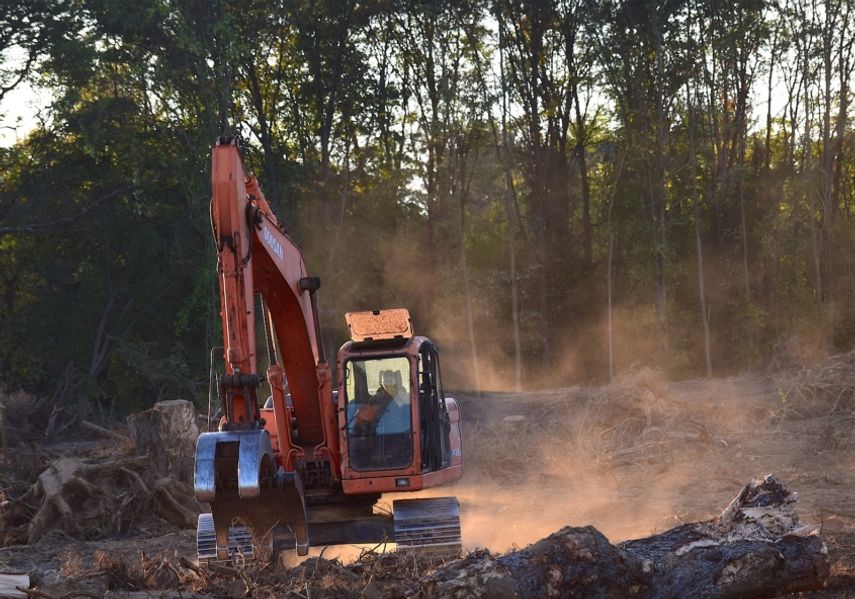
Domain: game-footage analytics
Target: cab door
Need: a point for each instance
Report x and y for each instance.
(434, 422)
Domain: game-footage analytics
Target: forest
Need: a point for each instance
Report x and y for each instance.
(558, 190)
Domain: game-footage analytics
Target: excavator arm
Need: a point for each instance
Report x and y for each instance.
(243, 462)
(254, 255)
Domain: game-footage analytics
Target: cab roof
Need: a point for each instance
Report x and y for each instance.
(379, 325)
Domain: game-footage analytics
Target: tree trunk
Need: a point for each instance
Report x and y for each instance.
(460, 188)
(167, 433)
(581, 133)
(746, 273)
(699, 247)
(844, 74)
(768, 145)
(661, 233)
(342, 209)
(610, 273)
(507, 162)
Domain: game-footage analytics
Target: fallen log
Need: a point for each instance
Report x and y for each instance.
(106, 432)
(755, 548)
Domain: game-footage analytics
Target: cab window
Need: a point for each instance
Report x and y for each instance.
(379, 413)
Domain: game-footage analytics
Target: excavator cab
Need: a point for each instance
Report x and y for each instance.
(398, 431)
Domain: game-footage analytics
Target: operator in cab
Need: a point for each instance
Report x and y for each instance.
(396, 418)
(383, 426)
(388, 410)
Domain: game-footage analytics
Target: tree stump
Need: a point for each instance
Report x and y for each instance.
(96, 499)
(167, 433)
(755, 548)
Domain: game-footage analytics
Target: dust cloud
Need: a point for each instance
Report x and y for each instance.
(634, 457)
(578, 351)
(394, 271)
(631, 459)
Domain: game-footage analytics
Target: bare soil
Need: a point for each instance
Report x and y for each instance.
(633, 458)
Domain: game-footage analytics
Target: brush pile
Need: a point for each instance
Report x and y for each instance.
(98, 485)
(825, 391)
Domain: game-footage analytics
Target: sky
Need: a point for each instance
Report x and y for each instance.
(21, 107)
(19, 112)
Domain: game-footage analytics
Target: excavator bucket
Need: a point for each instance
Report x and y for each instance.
(235, 475)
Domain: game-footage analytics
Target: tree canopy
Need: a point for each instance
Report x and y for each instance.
(559, 190)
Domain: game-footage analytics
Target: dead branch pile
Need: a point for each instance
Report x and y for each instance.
(26, 418)
(827, 391)
(89, 499)
(32, 431)
(627, 418)
(756, 548)
(105, 487)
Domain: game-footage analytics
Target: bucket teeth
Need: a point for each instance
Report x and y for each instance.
(428, 526)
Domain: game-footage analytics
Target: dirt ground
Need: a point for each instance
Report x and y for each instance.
(634, 458)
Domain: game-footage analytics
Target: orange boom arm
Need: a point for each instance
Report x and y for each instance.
(256, 256)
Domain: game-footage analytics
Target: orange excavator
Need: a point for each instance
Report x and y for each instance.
(308, 466)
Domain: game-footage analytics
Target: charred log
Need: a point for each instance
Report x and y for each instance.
(755, 548)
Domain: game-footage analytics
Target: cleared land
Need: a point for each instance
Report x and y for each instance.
(632, 459)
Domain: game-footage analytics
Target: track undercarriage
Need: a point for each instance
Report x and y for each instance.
(257, 511)
(429, 526)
